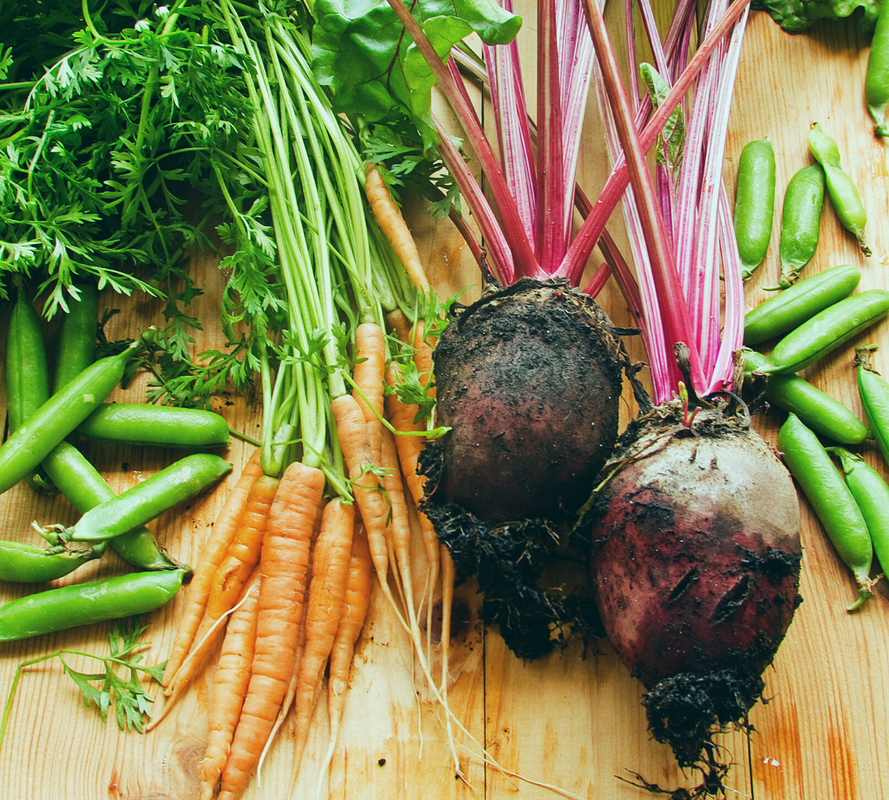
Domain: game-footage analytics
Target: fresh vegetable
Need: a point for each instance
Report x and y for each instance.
(87, 603)
(841, 188)
(826, 331)
(817, 410)
(832, 501)
(876, 76)
(148, 499)
(754, 203)
(59, 416)
(794, 16)
(75, 346)
(24, 563)
(874, 393)
(786, 310)
(800, 222)
(145, 425)
(27, 376)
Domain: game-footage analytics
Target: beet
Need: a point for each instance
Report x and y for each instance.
(696, 568)
(529, 380)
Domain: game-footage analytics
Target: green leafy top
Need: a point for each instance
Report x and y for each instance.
(796, 16)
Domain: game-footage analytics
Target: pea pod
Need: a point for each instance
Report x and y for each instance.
(146, 425)
(817, 410)
(876, 76)
(87, 603)
(874, 393)
(800, 222)
(76, 343)
(827, 330)
(24, 563)
(830, 498)
(149, 499)
(754, 203)
(59, 416)
(841, 188)
(788, 309)
(872, 495)
(27, 382)
(77, 479)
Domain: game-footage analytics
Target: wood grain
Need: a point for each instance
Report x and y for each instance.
(571, 720)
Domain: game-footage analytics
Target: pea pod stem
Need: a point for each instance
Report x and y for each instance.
(831, 500)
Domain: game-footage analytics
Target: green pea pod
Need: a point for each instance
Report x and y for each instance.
(872, 495)
(77, 479)
(840, 187)
(87, 603)
(24, 563)
(754, 203)
(146, 425)
(817, 410)
(874, 393)
(59, 416)
(827, 330)
(800, 222)
(830, 498)
(788, 309)
(27, 382)
(876, 76)
(148, 499)
(76, 342)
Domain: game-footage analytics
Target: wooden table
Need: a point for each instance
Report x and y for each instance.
(566, 720)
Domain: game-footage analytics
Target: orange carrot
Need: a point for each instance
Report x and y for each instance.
(284, 566)
(355, 606)
(229, 685)
(211, 555)
(229, 579)
(423, 349)
(391, 222)
(330, 569)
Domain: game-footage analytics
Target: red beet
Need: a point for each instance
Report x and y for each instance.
(696, 568)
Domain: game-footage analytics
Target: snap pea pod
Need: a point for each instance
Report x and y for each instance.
(754, 203)
(874, 393)
(788, 309)
(819, 411)
(841, 188)
(800, 222)
(27, 381)
(832, 501)
(77, 479)
(24, 563)
(76, 343)
(87, 603)
(872, 495)
(59, 416)
(139, 505)
(827, 330)
(876, 76)
(144, 425)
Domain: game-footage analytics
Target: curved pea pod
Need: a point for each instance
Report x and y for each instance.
(77, 479)
(800, 222)
(59, 416)
(874, 393)
(148, 499)
(832, 501)
(841, 188)
(87, 603)
(144, 425)
(754, 203)
(24, 563)
(872, 495)
(788, 309)
(876, 76)
(827, 330)
(819, 411)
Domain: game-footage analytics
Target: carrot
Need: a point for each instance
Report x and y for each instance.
(391, 222)
(330, 568)
(284, 566)
(229, 579)
(211, 555)
(370, 367)
(355, 606)
(229, 685)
